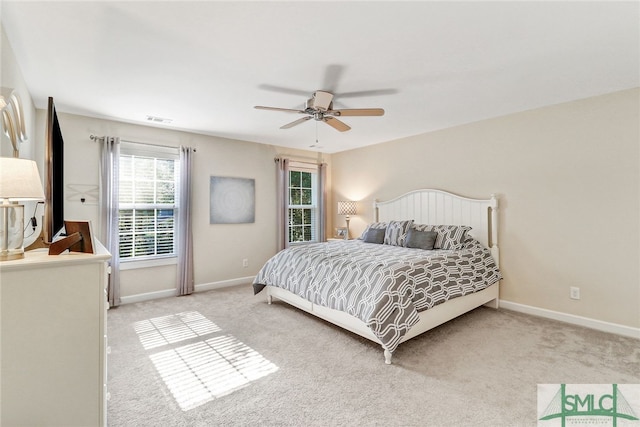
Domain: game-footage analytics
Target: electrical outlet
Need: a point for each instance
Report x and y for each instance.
(574, 292)
(245, 263)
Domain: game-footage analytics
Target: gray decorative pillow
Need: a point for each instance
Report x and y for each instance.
(374, 235)
(373, 225)
(396, 233)
(450, 237)
(421, 239)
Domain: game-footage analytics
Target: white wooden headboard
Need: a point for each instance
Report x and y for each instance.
(440, 207)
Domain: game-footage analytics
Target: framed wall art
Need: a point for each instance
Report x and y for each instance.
(232, 200)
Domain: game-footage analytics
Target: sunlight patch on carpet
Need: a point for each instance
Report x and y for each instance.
(200, 372)
(204, 370)
(173, 328)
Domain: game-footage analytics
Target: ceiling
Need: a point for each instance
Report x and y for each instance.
(430, 65)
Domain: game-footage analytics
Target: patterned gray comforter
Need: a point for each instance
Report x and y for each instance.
(384, 286)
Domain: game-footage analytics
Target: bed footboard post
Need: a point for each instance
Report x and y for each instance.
(375, 210)
(387, 357)
(495, 251)
(494, 303)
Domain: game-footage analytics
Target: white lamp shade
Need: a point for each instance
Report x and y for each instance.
(346, 208)
(20, 180)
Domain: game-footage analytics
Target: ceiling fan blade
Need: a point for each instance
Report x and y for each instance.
(286, 110)
(358, 112)
(287, 90)
(332, 75)
(336, 124)
(295, 123)
(374, 92)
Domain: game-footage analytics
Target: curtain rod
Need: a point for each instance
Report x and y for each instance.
(101, 138)
(275, 159)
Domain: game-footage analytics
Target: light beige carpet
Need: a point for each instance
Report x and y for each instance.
(226, 358)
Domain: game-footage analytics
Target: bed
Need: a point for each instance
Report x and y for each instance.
(393, 289)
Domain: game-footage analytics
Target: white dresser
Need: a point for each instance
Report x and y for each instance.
(53, 362)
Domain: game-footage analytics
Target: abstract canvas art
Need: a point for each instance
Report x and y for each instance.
(232, 200)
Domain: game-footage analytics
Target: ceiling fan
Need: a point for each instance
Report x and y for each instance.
(320, 107)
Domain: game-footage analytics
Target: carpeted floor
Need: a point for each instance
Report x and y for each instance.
(226, 358)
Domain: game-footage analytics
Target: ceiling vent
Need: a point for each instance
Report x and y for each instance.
(155, 119)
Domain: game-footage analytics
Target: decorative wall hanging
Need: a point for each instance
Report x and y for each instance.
(83, 193)
(12, 120)
(232, 200)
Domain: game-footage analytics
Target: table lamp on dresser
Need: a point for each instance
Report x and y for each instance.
(19, 181)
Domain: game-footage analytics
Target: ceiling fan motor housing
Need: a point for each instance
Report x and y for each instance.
(322, 100)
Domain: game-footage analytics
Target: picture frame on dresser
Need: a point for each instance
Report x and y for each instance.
(78, 238)
(85, 245)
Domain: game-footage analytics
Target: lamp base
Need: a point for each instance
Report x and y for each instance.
(12, 254)
(346, 235)
(11, 231)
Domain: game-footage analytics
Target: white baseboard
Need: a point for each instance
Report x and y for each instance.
(197, 288)
(148, 296)
(224, 283)
(587, 322)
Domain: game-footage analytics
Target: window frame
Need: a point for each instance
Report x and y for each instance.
(314, 206)
(128, 149)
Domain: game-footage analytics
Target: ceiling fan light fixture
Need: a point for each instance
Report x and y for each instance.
(322, 100)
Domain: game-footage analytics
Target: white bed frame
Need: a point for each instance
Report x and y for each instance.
(424, 207)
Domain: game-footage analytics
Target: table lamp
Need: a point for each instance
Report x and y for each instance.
(347, 208)
(19, 181)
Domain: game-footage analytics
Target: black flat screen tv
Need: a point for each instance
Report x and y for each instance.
(54, 181)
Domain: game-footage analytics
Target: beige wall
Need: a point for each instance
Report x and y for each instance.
(11, 79)
(218, 249)
(568, 181)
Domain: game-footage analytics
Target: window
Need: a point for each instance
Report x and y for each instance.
(303, 204)
(148, 201)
